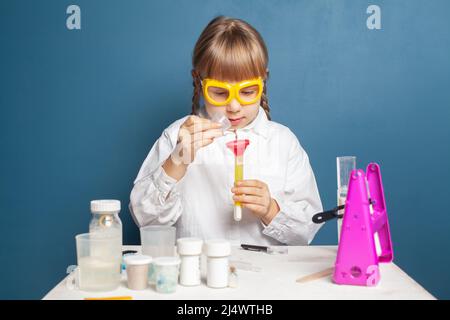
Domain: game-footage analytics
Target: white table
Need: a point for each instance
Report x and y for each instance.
(275, 280)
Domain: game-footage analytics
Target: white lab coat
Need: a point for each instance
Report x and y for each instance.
(200, 204)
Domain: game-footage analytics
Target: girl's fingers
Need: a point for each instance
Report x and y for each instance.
(247, 190)
(198, 128)
(205, 126)
(255, 208)
(251, 199)
(183, 135)
(201, 143)
(193, 119)
(209, 134)
(201, 125)
(196, 133)
(251, 183)
(188, 137)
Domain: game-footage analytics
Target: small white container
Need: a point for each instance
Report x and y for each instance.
(166, 274)
(217, 252)
(190, 250)
(137, 271)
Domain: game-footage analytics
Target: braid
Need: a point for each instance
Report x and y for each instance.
(196, 94)
(265, 101)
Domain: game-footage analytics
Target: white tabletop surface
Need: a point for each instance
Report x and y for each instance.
(276, 279)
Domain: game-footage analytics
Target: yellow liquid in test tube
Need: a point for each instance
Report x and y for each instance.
(238, 173)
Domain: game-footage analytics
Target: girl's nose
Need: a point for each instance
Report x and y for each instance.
(234, 106)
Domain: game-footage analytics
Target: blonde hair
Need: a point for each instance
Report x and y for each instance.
(229, 49)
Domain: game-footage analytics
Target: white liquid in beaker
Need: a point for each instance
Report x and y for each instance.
(98, 274)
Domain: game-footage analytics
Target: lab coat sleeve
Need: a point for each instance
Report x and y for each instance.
(298, 202)
(154, 199)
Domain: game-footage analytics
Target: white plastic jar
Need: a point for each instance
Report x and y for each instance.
(189, 250)
(217, 252)
(166, 274)
(137, 271)
(105, 219)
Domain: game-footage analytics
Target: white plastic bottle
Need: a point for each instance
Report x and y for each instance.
(217, 252)
(189, 250)
(105, 218)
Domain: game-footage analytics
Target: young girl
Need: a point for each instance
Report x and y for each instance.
(187, 179)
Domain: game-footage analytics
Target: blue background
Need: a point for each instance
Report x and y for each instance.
(81, 109)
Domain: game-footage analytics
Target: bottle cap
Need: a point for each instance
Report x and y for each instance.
(189, 246)
(98, 206)
(217, 248)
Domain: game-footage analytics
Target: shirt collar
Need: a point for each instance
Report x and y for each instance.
(259, 125)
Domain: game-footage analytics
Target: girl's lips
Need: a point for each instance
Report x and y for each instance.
(236, 121)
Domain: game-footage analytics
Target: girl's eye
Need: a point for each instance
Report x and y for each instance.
(249, 91)
(218, 91)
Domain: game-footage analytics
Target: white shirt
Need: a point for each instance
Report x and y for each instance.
(200, 204)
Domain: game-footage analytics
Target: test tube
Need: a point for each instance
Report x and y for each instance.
(344, 165)
(238, 148)
(238, 176)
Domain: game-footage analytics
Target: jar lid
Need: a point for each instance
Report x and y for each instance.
(105, 205)
(217, 248)
(189, 246)
(166, 261)
(137, 259)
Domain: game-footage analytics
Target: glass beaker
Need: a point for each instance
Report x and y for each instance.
(99, 261)
(344, 165)
(157, 241)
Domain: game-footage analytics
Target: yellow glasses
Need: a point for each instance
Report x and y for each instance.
(219, 93)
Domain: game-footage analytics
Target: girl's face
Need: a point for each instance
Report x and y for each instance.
(238, 115)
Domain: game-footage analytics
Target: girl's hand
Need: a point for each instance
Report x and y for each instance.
(255, 195)
(194, 133)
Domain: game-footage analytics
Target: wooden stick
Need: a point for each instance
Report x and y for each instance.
(317, 275)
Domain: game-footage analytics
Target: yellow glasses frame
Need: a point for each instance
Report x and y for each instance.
(233, 90)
